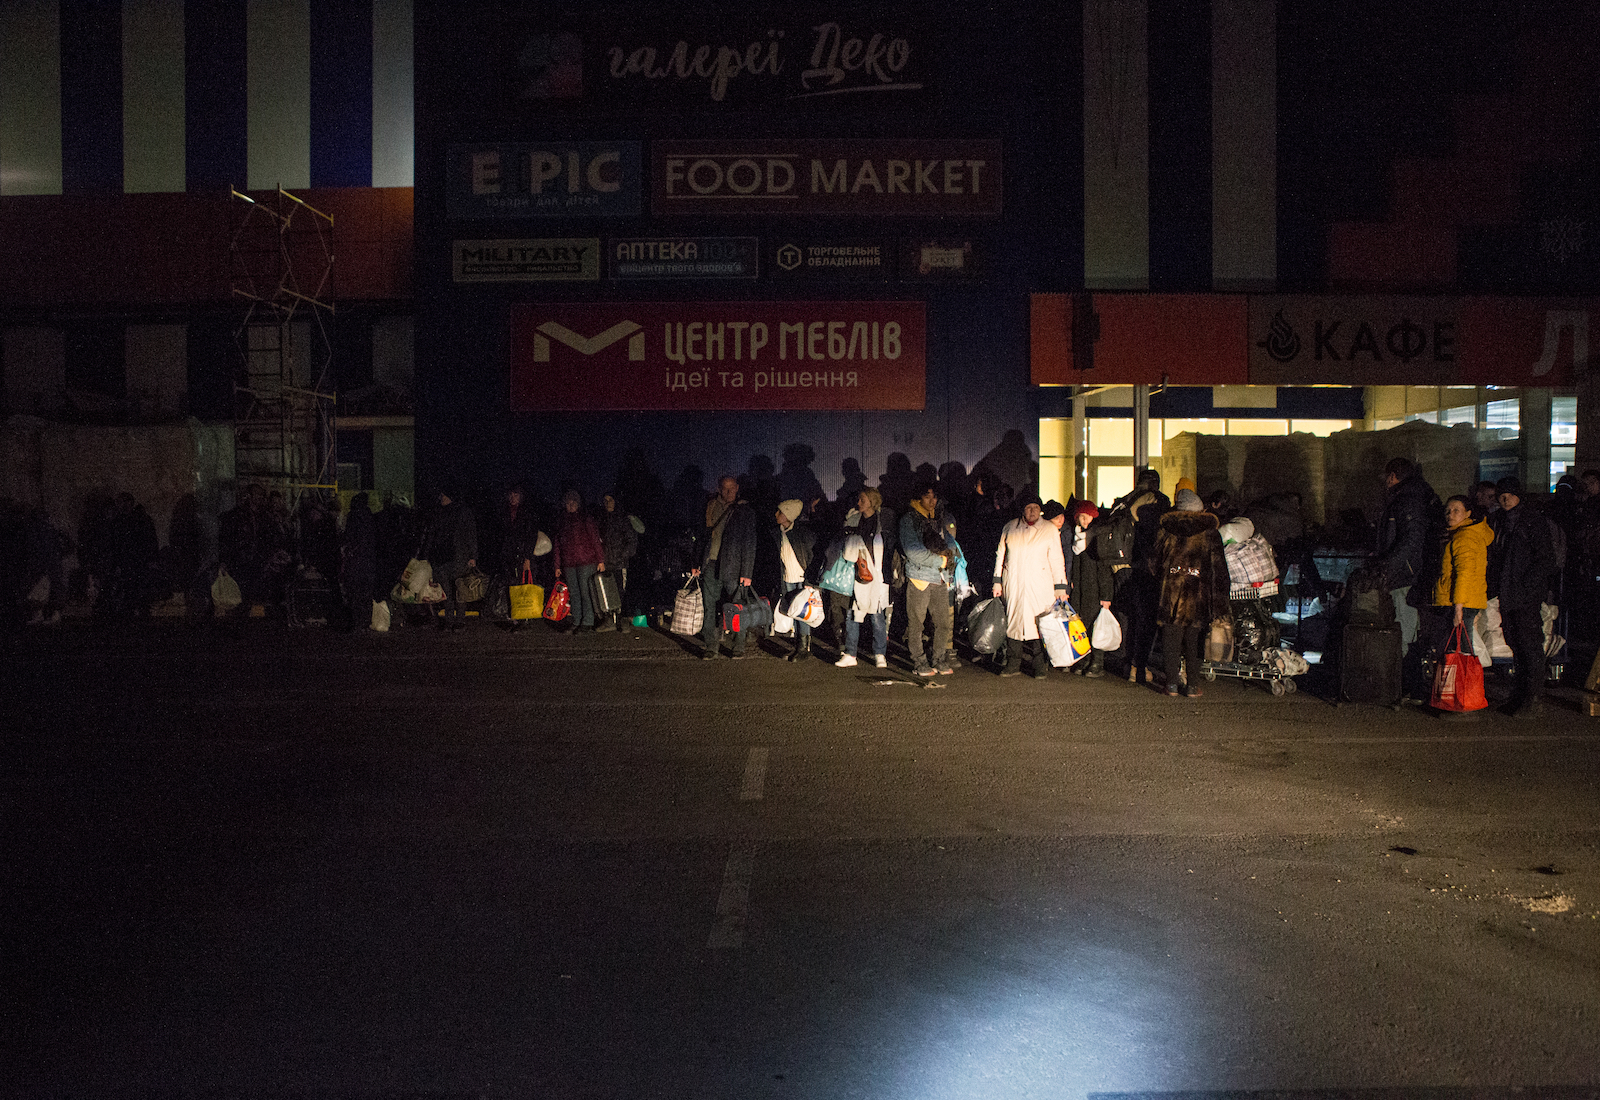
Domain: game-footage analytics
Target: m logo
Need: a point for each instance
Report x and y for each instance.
(588, 346)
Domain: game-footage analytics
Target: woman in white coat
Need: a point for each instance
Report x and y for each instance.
(1030, 573)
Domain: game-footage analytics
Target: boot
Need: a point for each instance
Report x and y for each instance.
(1013, 666)
(1041, 660)
(802, 648)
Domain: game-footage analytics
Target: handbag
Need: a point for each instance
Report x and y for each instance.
(1107, 632)
(472, 586)
(688, 610)
(840, 577)
(1458, 681)
(559, 605)
(527, 598)
(863, 571)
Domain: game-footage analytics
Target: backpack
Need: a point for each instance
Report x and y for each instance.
(1367, 599)
(1255, 632)
(1113, 539)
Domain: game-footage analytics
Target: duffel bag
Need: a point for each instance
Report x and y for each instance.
(746, 612)
(688, 611)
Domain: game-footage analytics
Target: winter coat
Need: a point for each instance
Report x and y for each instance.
(1464, 566)
(737, 553)
(518, 537)
(1411, 514)
(1029, 564)
(1522, 558)
(1092, 578)
(1191, 570)
(802, 540)
(923, 540)
(452, 538)
(577, 541)
(619, 538)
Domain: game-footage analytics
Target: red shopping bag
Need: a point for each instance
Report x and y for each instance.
(559, 605)
(1458, 681)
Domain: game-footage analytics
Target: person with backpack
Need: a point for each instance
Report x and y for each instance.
(1412, 516)
(930, 555)
(1522, 565)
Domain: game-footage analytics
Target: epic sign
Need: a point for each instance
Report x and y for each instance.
(570, 179)
(919, 178)
(718, 355)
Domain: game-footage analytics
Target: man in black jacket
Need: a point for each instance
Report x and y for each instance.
(1407, 534)
(451, 548)
(727, 561)
(1522, 564)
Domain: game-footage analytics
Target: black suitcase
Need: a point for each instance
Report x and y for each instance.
(606, 597)
(1369, 665)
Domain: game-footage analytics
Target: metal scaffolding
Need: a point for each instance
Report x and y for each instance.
(284, 430)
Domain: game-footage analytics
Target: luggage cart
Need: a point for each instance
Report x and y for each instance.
(1278, 681)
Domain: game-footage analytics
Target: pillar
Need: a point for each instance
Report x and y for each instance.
(1533, 440)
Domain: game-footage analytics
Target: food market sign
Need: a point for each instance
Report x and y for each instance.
(637, 356)
(929, 178)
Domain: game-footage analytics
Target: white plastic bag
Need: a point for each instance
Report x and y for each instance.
(225, 594)
(417, 576)
(1107, 632)
(542, 545)
(380, 616)
(781, 623)
(806, 606)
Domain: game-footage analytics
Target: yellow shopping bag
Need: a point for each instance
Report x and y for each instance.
(527, 598)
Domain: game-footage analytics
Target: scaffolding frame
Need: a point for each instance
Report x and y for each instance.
(285, 430)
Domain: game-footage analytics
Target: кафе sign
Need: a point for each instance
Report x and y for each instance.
(637, 356)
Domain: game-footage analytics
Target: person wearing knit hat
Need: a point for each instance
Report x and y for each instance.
(1188, 500)
(1093, 581)
(1030, 573)
(1052, 509)
(795, 542)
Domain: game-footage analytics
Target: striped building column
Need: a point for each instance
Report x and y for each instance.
(1244, 144)
(153, 118)
(278, 93)
(1116, 152)
(30, 108)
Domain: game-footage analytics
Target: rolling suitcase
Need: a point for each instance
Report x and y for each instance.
(606, 597)
(1369, 665)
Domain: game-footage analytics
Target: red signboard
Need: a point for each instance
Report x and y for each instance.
(1139, 339)
(636, 356)
(927, 178)
(1525, 341)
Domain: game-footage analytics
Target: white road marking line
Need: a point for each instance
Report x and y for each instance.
(755, 775)
(733, 904)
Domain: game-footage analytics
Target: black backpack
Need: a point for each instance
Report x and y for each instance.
(1113, 538)
(1367, 599)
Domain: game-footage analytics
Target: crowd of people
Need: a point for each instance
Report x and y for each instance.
(923, 551)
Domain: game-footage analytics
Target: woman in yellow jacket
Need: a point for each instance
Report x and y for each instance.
(1462, 589)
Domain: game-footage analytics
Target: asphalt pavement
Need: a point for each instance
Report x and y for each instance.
(246, 861)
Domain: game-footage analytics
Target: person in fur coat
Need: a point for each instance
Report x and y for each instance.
(1193, 576)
